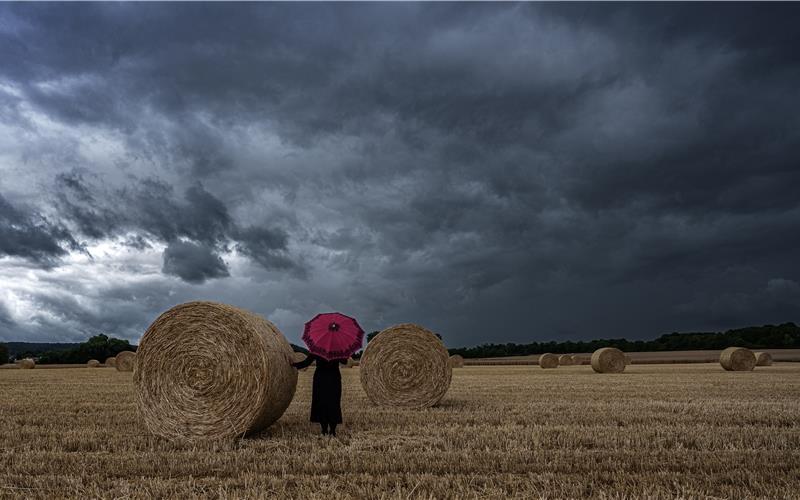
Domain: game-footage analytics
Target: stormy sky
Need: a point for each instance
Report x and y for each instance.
(495, 172)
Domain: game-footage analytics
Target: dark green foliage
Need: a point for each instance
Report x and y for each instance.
(785, 336)
(3, 354)
(98, 347)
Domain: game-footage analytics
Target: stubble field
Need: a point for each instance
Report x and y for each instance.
(665, 431)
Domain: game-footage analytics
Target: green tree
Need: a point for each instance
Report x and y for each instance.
(3, 354)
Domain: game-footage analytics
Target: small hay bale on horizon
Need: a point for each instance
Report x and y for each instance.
(608, 360)
(737, 359)
(763, 358)
(93, 363)
(125, 361)
(405, 365)
(26, 364)
(565, 360)
(111, 362)
(456, 361)
(209, 371)
(548, 360)
(628, 359)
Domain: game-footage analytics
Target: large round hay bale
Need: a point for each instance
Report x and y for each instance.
(608, 360)
(111, 361)
(124, 361)
(212, 371)
(548, 360)
(737, 359)
(27, 364)
(565, 360)
(456, 361)
(93, 363)
(405, 365)
(763, 358)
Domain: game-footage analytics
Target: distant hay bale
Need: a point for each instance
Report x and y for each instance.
(93, 363)
(565, 360)
(763, 358)
(27, 364)
(580, 360)
(405, 365)
(548, 360)
(210, 371)
(456, 361)
(628, 359)
(124, 361)
(351, 362)
(737, 359)
(608, 360)
(111, 361)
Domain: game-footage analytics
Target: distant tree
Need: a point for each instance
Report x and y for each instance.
(3, 354)
(98, 347)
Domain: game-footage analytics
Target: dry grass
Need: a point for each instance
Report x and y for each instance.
(653, 431)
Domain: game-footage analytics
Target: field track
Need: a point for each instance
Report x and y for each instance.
(658, 431)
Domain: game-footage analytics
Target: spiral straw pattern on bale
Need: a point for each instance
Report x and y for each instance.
(608, 360)
(111, 362)
(737, 359)
(207, 371)
(405, 365)
(763, 358)
(93, 363)
(565, 360)
(456, 361)
(548, 360)
(124, 361)
(27, 364)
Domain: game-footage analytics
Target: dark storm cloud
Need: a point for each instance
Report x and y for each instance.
(193, 263)
(31, 236)
(462, 165)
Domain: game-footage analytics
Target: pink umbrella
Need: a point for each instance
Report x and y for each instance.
(333, 336)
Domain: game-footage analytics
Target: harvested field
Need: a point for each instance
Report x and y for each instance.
(652, 431)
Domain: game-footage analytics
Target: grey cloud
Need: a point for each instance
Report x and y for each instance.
(31, 236)
(457, 164)
(192, 262)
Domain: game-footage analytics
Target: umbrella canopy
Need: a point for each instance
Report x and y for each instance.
(333, 336)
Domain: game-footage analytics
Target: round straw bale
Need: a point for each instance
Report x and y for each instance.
(351, 362)
(456, 361)
(93, 363)
(111, 361)
(763, 358)
(124, 361)
(405, 365)
(737, 359)
(548, 360)
(565, 360)
(608, 360)
(27, 364)
(209, 371)
(579, 360)
(628, 359)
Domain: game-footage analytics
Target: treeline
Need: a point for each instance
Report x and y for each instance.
(785, 336)
(3, 354)
(98, 347)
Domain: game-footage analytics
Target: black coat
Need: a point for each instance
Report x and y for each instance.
(326, 394)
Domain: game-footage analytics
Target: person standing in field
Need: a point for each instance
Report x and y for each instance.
(326, 392)
(331, 339)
